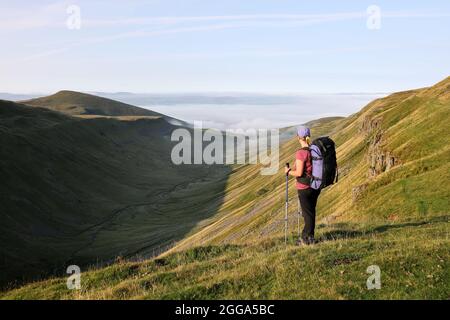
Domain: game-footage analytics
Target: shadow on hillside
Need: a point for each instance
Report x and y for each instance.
(387, 227)
(84, 192)
(346, 233)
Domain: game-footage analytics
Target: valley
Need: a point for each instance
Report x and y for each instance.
(88, 191)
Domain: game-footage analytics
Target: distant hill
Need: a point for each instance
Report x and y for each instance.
(18, 96)
(290, 132)
(77, 103)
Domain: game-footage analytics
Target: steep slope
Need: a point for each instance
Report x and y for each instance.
(83, 191)
(83, 104)
(392, 164)
(390, 209)
(392, 156)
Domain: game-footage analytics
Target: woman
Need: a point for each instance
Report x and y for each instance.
(307, 195)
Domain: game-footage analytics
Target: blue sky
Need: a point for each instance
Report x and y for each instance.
(266, 46)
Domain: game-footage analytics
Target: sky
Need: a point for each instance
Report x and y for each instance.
(261, 46)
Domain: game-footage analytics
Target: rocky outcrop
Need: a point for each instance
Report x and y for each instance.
(379, 159)
(358, 191)
(370, 125)
(380, 162)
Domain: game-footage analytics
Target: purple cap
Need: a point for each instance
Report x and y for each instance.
(303, 132)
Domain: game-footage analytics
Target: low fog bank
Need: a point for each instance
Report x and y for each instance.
(266, 115)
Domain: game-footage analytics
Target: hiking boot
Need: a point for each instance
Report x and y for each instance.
(302, 242)
(305, 242)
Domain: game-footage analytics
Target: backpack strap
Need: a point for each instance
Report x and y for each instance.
(317, 157)
(304, 178)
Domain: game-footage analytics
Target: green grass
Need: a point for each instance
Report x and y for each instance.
(400, 223)
(413, 259)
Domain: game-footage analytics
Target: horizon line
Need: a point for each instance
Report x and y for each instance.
(205, 93)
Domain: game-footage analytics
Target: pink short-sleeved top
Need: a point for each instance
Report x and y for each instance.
(305, 156)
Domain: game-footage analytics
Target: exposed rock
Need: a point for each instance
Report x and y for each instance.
(390, 161)
(358, 191)
(380, 160)
(370, 125)
(343, 171)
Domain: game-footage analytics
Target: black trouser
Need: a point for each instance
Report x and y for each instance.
(308, 200)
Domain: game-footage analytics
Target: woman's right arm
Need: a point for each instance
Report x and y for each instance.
(298, 171)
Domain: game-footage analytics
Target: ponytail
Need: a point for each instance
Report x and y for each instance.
(308, 140)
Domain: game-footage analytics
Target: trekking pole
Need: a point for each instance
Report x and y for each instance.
(286, 207)
(298, 217)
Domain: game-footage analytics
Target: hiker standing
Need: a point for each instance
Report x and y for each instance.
(307, 195)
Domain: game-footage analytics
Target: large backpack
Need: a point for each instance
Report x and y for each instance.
(324, 164)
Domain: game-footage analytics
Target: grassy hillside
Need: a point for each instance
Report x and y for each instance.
(413, 265)
(81, 191)
(77, 103)
(406, 128)
(390, 208)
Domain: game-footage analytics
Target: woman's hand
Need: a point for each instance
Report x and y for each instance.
(296, 171)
